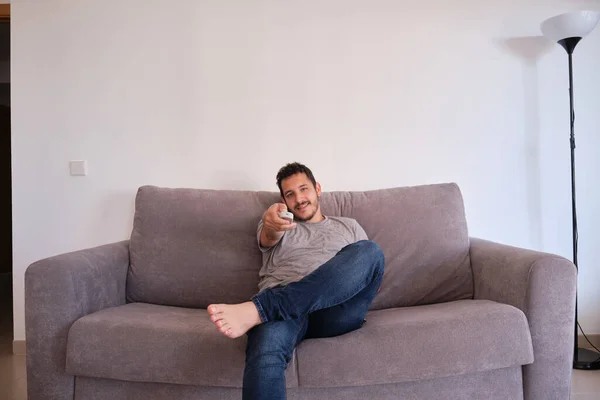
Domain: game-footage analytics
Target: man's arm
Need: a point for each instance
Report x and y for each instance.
(273, 226)
(269, 238)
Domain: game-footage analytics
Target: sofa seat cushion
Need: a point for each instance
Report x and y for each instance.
(421, 342)
(151, 343)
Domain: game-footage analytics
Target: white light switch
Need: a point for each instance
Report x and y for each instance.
(78, 167)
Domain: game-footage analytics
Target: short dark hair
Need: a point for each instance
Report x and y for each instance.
(292, 169)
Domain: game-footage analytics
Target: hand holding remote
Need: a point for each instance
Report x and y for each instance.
(287, 215)
(275, 220)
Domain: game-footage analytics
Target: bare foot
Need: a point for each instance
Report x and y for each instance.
(233, 320)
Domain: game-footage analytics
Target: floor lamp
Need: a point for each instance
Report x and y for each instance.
(568, 29)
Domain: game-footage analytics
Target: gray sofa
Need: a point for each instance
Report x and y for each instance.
(456, 317)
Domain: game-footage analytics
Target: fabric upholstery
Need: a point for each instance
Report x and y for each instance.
(151, 343)
(543, 286)
(499, 384)
(456, 318)
(423, 233)
(58, 291)
(486, 335)
(193, 247)
(408, 344)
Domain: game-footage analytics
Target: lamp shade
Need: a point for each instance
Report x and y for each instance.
(569, 25)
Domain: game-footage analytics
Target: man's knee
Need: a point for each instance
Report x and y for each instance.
(369, 246)
(371, 249)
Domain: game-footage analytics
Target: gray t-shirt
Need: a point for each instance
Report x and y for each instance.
(302, 250)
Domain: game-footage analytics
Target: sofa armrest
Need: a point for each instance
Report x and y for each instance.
(58, 291)
(544, 287)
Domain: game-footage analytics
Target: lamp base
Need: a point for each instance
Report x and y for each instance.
(587, 359)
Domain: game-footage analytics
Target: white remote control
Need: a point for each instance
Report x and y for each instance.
(286, 215)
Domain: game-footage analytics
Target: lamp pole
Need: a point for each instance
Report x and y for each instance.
(568, 30)
(582, 358)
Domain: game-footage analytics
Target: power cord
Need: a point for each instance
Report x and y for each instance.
(588, 340)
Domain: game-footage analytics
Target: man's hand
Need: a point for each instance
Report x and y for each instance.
(274, 226)
(273, 222)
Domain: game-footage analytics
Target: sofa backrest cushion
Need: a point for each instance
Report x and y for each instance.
(193, 247)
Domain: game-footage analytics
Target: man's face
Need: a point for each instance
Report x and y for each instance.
(302, 198)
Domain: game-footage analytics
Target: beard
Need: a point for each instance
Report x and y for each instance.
(309, 216)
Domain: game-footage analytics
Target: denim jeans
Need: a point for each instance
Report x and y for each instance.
(330, 301)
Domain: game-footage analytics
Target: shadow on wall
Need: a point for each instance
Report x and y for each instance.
(528, 50)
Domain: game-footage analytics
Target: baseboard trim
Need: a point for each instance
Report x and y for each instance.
(19, 347)
(594, 338)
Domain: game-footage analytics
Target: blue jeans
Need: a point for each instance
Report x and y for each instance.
(330, 301)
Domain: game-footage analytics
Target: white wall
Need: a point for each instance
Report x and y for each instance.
(368, 94)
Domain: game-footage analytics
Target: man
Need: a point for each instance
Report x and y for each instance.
(318, 279)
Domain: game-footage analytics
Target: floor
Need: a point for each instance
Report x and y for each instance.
(13, 384)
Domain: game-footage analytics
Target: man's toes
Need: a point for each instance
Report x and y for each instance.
(221, 323)
(212, 309)
(216, 317)
(224, 328)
